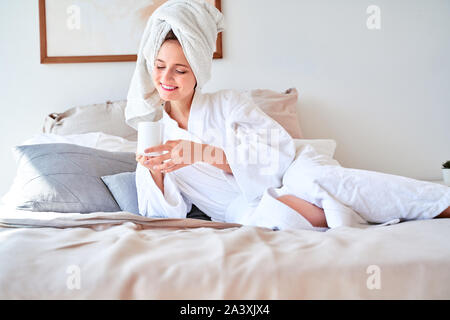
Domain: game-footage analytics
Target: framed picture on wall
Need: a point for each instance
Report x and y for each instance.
(77, 31)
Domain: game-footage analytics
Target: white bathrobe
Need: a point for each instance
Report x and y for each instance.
(266, 164)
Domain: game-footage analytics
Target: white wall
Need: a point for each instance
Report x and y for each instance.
(383, 95)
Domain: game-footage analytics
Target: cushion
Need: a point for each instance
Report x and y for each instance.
(105, 117)
(63, 177)
(282, 107)
(123, 189)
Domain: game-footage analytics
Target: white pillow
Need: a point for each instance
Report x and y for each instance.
(325, 147)
(113, 143)
(97, 140)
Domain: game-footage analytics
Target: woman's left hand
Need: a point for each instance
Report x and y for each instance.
(180, 153)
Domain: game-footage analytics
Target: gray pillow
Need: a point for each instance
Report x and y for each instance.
(63, 177)
(123, 189)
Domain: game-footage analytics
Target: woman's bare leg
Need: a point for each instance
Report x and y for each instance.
(445, 213)
(312, 213)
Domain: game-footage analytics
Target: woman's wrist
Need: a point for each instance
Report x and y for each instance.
(156, 174)
(215, 157)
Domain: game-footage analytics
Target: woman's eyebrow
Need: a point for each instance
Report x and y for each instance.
(177, 64)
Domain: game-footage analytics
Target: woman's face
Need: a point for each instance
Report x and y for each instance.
(172, 75)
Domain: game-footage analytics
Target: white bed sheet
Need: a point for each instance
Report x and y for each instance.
(124, 256)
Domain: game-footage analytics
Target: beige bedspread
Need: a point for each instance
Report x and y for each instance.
(124, 256)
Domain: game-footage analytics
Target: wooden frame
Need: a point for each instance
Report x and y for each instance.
(45, 59)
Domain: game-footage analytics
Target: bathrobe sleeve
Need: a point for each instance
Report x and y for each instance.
(153, 203)
(258, 149)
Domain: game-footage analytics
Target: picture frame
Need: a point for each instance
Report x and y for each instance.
(60, 19)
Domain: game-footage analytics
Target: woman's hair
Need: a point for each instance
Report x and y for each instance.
(170, 36)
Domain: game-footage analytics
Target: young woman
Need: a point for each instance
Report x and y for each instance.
(236, 164)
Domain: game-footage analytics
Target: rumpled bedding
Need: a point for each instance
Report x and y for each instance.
(125, 256)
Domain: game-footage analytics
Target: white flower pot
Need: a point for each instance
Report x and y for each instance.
(446, 176)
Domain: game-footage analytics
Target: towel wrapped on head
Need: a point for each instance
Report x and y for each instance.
(196, 24)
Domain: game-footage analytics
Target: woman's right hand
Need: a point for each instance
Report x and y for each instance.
(157, 175)
(144, 161)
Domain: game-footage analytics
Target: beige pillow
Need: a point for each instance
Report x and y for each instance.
(105, 117)
(282, 107)
(109, 117)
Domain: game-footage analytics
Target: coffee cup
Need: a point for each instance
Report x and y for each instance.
(150, 134)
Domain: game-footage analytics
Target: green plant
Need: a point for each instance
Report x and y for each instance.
(446, 165)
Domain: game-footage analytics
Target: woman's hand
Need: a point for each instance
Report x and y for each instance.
(157, 176)
(179, 154)
(143, 160)
(182, 153)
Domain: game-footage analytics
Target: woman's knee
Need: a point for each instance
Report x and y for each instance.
(310, 212)
(445, 213)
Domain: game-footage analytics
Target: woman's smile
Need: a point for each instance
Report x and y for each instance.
(168, 88)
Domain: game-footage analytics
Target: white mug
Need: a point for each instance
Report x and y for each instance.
(150, 134)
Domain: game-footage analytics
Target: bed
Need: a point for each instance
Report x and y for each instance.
(50, 251)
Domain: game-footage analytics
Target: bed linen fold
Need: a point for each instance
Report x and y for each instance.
(13, 218)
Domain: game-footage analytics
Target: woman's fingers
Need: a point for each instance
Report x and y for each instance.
(160, 148)
(170, 166)
(145, 163)
(163, 147)
(164, 166)
(156, 160)
(169, 161)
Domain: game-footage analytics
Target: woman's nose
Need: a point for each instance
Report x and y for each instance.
(166, 76)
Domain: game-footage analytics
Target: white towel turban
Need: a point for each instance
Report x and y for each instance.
(196, 24)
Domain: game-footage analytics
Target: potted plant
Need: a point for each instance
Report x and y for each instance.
(446, 172)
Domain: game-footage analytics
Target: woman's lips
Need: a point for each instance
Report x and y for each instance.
(168, 89)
